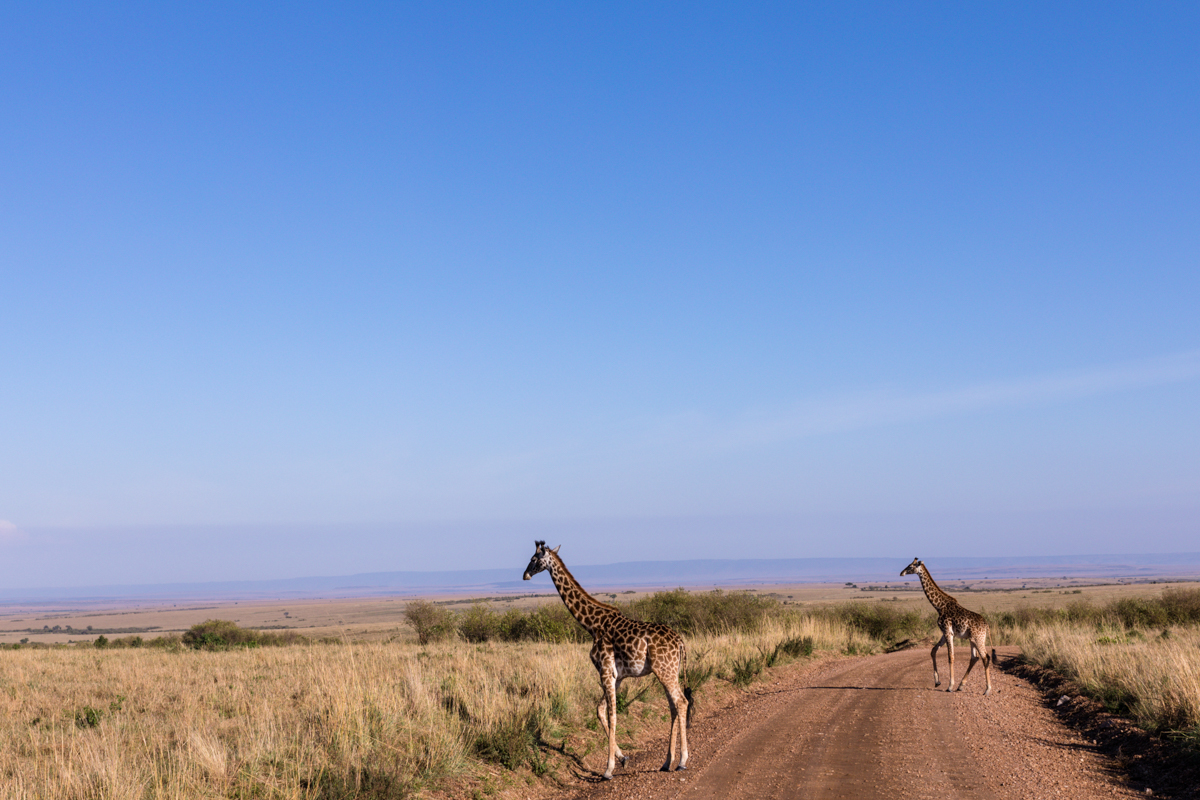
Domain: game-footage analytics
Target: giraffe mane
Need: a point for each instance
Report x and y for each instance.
(929, 575)
(579, 585)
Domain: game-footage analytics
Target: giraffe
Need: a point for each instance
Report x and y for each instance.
(622, 648)
(953, 620)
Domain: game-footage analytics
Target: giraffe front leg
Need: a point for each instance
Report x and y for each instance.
(602, 715)
(609, 685)
(937, 680)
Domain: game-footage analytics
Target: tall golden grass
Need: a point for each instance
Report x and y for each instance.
(330, 720)
(1151, 675)
(385, 719)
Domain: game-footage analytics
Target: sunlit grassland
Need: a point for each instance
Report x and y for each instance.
(1152, 675)
(335, 720)
(457, 718)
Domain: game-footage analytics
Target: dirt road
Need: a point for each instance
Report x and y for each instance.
(874, 727)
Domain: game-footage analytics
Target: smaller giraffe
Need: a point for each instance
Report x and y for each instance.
(623, 648)
(953, 620)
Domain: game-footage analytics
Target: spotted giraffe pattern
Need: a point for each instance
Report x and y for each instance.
(953, 620)
(622, 648)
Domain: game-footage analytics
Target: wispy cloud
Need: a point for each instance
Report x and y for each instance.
(884, 407)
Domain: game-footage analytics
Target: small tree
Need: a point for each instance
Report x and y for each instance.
(101, 641)
(432, 623)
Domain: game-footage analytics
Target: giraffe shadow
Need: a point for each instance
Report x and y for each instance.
(861, 688)
(561, 749)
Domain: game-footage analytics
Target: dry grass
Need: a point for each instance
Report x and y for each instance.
(383, 719)
(1154, 676)
(365, 719)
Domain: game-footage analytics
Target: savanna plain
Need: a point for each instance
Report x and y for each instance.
(492, 696)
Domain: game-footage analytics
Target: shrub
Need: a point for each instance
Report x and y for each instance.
(885, 623)
(513, 742)
(221, 634)
(746, 670)
(88, 717)
(796, 647)
(432, 622)
(1182, 605)
(708, 612)
(479, 624)
(546, 623)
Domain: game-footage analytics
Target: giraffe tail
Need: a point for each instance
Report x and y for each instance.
(687, 690)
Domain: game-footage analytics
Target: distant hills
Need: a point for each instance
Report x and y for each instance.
(641, 574)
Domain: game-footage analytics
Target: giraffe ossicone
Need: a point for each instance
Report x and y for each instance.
(953, 620)
(622, 648)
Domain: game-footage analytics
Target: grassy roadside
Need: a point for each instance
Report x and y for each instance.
(224, 718)
(506, 704)
(1138, 658)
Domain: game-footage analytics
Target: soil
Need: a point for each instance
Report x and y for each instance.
(875, 727)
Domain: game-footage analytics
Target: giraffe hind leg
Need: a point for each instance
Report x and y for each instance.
(937, 680)
(949, 637)
(987, 673)
(678, 702)
(970, 665)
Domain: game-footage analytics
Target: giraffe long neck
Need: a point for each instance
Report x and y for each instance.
(937, 598)
(590, 612)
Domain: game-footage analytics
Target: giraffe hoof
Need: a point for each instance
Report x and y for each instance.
(665, 767)
(606, 777)
(624, 760)
(681, 768)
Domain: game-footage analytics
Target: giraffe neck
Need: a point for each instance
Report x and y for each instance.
(937, 598)
(590, 612)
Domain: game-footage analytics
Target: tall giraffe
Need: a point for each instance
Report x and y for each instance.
(953, 620)
(622, 648)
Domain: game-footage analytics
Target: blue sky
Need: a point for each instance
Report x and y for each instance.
(316, 289)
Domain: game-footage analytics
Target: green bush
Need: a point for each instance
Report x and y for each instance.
(796, 647)
(746, 670)
(885, 623)
(88, 717)
(433, 623)
(546, 623)
(707, 612)
(1182, 605)
(479, 624)
(513, 742)
(1173, 607)
(221, 634)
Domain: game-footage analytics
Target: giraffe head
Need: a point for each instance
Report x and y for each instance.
(914, 568)
(540, 560)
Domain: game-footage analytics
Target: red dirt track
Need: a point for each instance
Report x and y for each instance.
(874, 727)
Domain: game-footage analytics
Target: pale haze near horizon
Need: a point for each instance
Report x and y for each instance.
(324, 290)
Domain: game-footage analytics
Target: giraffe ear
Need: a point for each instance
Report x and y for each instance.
(555, 550)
